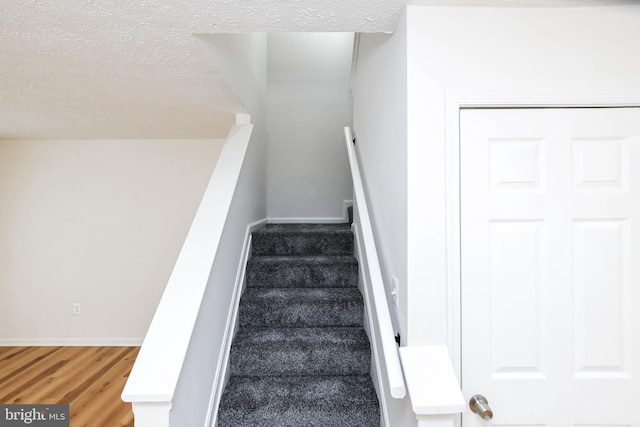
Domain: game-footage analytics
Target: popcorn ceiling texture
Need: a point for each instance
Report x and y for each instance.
(110, 69)
(114, 69)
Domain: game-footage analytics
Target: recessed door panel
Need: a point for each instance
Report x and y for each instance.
(550, 253)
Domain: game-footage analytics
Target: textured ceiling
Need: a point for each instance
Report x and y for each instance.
(120, 69)
(76, 69)
(522, 3)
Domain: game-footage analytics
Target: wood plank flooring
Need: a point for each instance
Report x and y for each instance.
(89, 379)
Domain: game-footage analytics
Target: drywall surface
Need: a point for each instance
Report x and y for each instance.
(94, 222)
(379, 121)
(500, 50)
(308, 105)
(241, 60)
(380, 115)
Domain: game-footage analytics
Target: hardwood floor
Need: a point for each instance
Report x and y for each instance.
(90, 379)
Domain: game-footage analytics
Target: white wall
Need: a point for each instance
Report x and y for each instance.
(241, 60)
(308, 106)
(380, 115)
(379, 122)
(490, 49)
(96, 222)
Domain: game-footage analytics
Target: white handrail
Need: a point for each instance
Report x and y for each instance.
(156, 372)
(389, 348)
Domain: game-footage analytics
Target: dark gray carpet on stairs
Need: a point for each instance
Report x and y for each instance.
(300, 356)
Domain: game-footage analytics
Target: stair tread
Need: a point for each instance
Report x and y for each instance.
(302, 271)
(278, 337)
(294, 307)
(300, 400)
(270, 295)
(303, 228)
(303, 239)
(300, 351)
(303, 259)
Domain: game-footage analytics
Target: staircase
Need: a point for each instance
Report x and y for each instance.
(301, 356)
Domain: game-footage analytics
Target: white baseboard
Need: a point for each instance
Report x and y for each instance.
(221, 376)
(315, 220)
(307, 220)
(71, 342)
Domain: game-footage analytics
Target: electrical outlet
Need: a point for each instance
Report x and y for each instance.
(77, 308)
(394, 290)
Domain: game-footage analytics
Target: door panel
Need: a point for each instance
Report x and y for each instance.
(550, 252)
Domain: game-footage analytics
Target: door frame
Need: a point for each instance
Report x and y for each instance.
(457, 100)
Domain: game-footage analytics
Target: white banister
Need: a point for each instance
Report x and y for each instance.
(151, 386)
(388, 343)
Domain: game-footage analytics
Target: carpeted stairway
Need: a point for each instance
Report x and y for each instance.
(301, 356)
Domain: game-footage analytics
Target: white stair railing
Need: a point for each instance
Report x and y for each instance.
(389, 348)
(425, 372)
(158, 387)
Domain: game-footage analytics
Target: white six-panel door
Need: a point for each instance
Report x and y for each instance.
(550, 265)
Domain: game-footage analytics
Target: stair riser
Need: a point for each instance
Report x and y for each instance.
(301, 274)
(327, 401)
(300, 351)
(326, 392)
(355, 417)
(301, 361)
(255, 314)
(304, 244)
